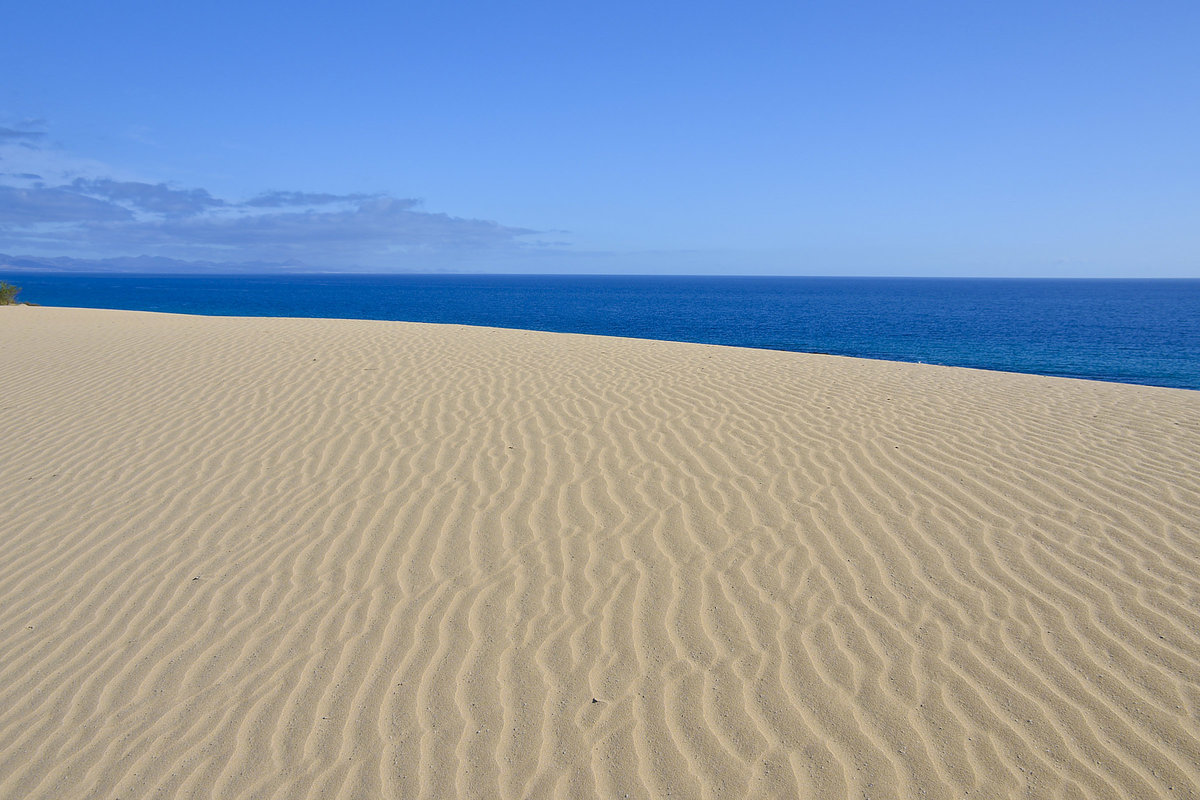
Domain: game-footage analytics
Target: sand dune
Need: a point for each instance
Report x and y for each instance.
(272, 558)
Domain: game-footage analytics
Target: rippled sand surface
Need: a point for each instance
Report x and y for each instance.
(274, 558)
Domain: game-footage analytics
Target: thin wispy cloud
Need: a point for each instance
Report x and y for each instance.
(286, 199)
(31, 209)
(13, 135)
(49, 199)
(150, 198)
(26, 132)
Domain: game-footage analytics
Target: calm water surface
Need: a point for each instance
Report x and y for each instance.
(1132, 331)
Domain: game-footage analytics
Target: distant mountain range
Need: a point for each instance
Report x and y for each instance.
(150, 264)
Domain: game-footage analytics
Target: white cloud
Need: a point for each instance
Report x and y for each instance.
(51, 199)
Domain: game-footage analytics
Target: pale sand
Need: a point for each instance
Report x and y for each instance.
(268, 558)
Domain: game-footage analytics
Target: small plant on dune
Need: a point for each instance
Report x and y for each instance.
(8, 293)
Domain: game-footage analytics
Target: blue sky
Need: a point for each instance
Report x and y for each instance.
(901, 138)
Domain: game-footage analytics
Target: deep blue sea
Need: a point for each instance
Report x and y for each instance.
(1133, 331)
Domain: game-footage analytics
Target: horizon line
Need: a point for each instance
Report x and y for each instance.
(381, 274)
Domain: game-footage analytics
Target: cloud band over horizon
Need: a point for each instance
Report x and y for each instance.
(52, 205)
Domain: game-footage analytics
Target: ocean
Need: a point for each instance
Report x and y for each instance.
(1132, 331)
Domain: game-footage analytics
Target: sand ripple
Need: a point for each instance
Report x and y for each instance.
(271, 558)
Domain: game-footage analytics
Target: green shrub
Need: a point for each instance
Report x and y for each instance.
(8, 293)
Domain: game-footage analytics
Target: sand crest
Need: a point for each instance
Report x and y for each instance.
(278, 558)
